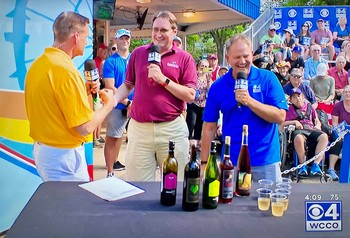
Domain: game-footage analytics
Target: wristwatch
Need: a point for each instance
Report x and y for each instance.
(128, 104)
(167, 81)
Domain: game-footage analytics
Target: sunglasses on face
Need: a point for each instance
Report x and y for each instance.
(296, 76)
(272, 30)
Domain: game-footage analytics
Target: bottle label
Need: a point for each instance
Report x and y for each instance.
(214, 188)
(192, 193)
(244, 181)
(170, 181)
(227, 188)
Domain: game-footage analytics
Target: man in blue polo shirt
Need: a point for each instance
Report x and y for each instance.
(263, 107)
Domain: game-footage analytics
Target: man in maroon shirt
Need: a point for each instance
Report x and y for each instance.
(161, 91)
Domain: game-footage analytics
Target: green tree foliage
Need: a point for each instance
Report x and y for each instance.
(203, 45)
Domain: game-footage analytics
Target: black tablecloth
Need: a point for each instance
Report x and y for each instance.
(62, 209)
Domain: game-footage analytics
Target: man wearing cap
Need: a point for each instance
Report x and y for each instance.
(178, 42)
(324, 88)
(308, 128)
(324, 38)
(295, 60)
(161, 92)
(276, 41)
(213, 64)
(114, 71)
(312, 63)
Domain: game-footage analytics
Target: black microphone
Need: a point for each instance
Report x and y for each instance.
(241, 83)
(91, 72)
(154, 55)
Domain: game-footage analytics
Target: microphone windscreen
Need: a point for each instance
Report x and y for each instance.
(155, 48)
(241, 75)
(89, 65)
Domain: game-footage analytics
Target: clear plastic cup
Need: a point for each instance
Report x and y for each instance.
(264, 198)
(265, 183)
(285, 192)
(284, 185)
(277, 204)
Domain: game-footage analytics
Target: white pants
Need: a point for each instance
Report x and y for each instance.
(57, 164)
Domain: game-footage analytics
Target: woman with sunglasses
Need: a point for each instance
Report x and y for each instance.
(304, 37)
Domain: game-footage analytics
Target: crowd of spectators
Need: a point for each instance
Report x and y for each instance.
(313, 64)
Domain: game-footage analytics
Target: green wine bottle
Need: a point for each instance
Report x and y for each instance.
(211, 184)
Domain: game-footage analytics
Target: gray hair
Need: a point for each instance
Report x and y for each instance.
(68, 23)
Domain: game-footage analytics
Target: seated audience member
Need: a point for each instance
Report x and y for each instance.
(263, 57)
(296, 81)
(341, 112)
(282, 72)
(178, 42)
(274, 38)
(304, 39)
(312, 63)
(324, 38)
(295, 60)
(345, 51)
(341, 32)
(323, 87)
(340, 76)
(308, 128)
(288, 43)
(222, 70)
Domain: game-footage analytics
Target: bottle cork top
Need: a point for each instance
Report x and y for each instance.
(245, 129)
(227, 140)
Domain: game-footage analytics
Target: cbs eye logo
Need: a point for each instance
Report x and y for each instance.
(316, 212)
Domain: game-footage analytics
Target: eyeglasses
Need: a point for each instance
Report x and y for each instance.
(305, 26)
(296, 76)
(272, 29)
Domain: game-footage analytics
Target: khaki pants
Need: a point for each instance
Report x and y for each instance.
(148, 145)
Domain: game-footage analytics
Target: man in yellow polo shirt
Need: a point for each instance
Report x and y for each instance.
(57, 105)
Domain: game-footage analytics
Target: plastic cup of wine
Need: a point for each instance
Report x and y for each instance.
(285, 192)
(265, 183)
(264, 198)
(277, 204)
(284, 185)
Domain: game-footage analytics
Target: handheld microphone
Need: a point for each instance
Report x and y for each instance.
(91, 73)
(241, 83)
(154, 55)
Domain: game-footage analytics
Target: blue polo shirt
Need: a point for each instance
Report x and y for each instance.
(263, 140)
(115, 67)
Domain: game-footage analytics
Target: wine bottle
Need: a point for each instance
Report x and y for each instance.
(191, 183)
(169, 178)
(211, 184)
(244, 169)
(227, 175)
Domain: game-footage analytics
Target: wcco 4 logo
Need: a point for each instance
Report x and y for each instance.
(323, 216)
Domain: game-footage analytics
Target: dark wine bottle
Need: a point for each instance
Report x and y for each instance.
(244, 169)
(169, 178)
(191, 184)
(211, 183)
(227, 175)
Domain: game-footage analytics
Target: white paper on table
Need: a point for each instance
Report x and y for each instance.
(111, 189)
